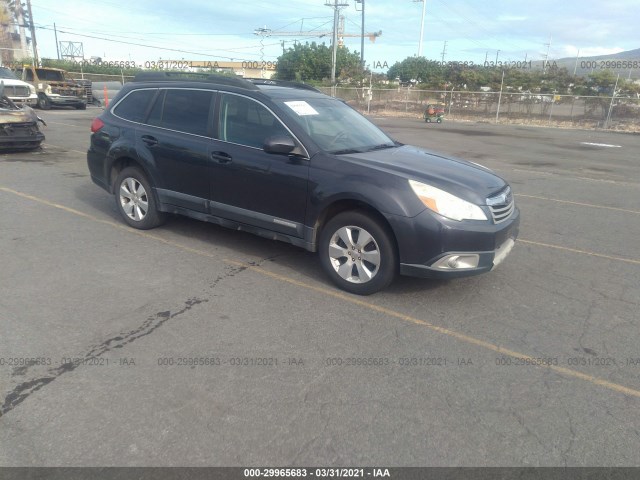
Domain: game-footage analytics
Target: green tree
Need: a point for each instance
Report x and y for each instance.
(312, 62)
(417, 69)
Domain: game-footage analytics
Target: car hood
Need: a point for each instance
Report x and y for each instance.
(464, 179)
(11, 82)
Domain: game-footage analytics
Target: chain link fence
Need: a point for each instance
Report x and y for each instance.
(619, 113)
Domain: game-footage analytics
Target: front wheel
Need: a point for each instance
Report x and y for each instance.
(358, 253)
(135, 201)
(43, 102)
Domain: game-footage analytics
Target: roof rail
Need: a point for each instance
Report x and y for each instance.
(193, 77)
(282, 83)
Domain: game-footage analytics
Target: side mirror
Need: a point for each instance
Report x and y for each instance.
(279, 145)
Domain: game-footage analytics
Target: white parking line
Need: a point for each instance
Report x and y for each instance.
(601, 145)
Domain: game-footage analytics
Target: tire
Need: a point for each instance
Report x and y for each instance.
(428, 120)
(43, 102)
(341, 249)
(439, 120)
(135, 201)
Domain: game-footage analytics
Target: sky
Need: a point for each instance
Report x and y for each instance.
(145, 31)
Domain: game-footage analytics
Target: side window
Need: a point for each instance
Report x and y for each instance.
(183, 110)
(247, 122)
(29, 75)
(134, 106)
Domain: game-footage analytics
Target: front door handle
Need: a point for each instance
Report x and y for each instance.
(149, 140)
(221, 157)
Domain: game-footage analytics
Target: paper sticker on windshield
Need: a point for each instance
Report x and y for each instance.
(301, 108)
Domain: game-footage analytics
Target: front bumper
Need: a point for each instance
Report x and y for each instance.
(63, 100)
(31, 101)
(431, 246)
(21, 142)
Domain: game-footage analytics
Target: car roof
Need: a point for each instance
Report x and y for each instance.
(281, 92)
(276, 89)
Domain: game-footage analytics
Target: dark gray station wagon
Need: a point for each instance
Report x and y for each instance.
(287, 162)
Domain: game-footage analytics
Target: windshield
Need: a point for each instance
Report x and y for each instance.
(52, 75)
(6, 73)
(336, 127)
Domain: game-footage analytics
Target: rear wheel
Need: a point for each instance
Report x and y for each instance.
(358, 253)
(135, 201)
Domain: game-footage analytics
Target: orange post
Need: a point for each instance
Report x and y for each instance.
(106, 97)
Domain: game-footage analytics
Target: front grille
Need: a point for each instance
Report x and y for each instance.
(501, 205)
(86, 84)
(16, 91)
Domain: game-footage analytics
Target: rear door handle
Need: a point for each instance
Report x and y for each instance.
(149, 140)
(221, 157)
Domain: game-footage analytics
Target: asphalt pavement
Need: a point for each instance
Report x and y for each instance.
(194, 345)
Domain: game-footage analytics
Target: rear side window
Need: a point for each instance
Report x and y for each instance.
(183, 110)
(134, 106)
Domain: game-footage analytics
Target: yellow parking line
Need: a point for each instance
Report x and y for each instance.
(569, 175)
(584, 252)
(64, 148)
(445, 331)
(578, 203)
(357, 301)
(84, 127)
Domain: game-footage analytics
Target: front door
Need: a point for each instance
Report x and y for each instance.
(249, 185)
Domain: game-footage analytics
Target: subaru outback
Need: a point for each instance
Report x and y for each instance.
(284, 161)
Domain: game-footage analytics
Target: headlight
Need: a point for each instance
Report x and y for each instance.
(446, 204)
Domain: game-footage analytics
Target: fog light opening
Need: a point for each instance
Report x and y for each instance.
(457, 262)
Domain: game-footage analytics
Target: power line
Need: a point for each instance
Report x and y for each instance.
(191, 52)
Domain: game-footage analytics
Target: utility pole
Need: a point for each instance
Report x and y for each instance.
(336, 14)
(362, 33)
(36, 61)
(424, 9)
(576, 66)
(55, 33)
(497, 52)
(546, 57)
(444, 50)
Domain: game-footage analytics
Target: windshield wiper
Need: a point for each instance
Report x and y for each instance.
(345, 151)
(382, 146)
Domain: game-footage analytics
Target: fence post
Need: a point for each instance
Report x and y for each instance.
(613, 96)
(450, 101)
(500, 97)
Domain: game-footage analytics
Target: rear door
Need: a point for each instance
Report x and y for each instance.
(178, 136)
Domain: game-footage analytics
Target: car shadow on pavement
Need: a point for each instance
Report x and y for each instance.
(241, 244)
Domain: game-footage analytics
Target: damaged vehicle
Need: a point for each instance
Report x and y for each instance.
(54, 88)
(19, 129)
(21, 93)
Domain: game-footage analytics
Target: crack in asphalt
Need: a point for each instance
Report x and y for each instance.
(21, 392)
